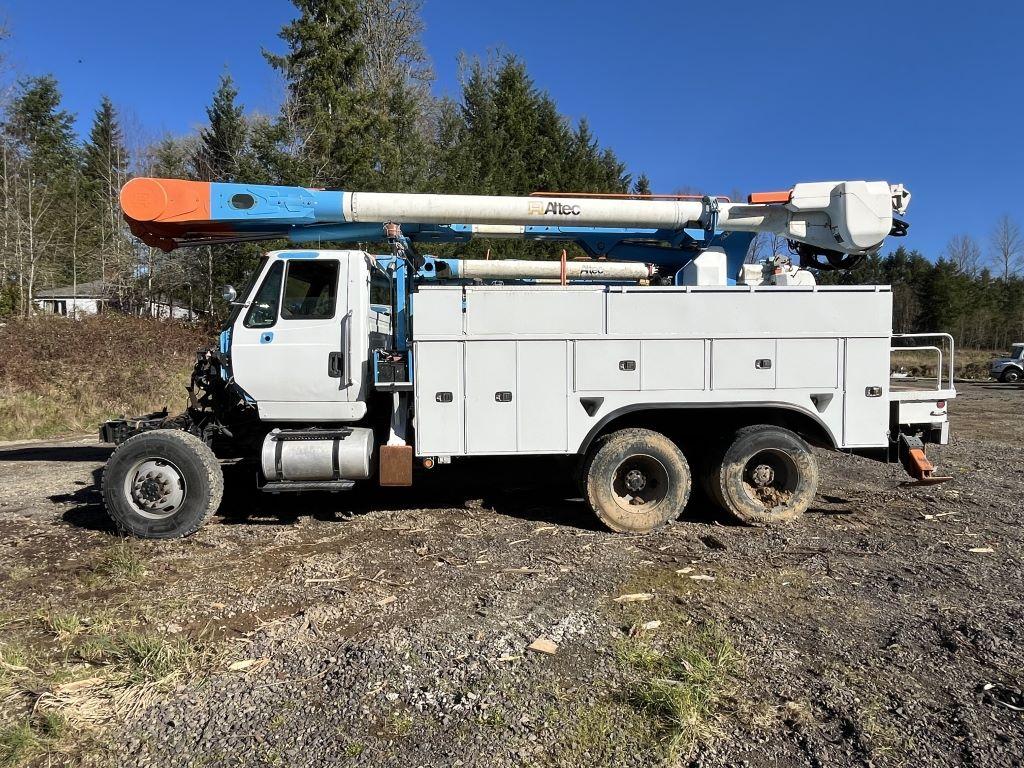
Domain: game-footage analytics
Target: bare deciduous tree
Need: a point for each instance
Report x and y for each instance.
(964, 251)
(390, 33)
(1007, 246)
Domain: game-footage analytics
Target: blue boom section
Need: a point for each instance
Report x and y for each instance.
(260, 206)
(672, 249)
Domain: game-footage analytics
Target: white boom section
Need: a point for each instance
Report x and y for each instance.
(521, 269)
(847, 216)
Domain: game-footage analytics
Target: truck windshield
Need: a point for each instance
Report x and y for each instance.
(1018, 353)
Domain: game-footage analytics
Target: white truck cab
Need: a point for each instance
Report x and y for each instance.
(1009, 370)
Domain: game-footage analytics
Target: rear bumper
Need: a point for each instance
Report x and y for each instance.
(924, 412)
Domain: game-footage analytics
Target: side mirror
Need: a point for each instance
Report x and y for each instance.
(229, 294)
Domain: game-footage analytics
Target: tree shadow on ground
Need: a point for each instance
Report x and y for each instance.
(56, 453)
(529, 488)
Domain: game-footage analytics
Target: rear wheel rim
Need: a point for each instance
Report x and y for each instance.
(155, 488)
(770, 479)
(640, 483)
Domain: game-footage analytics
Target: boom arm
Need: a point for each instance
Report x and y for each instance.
(842, 218)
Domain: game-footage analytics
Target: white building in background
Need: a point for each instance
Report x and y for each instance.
(75, 300)
(95, 297)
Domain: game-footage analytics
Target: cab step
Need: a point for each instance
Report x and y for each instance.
(297, 486)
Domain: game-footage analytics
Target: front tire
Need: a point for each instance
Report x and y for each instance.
(162, 484)
(1011, 376)
(636, 480)
(766, 475)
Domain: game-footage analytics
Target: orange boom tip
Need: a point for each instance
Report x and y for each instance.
(166, 200)
(760, 198)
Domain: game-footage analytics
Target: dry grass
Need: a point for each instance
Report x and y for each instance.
(59, 376)
(967, 363)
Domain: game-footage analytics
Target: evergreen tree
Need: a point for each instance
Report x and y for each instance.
(104, 171)
(396, 77)
(104, 157)
(642, 185)
(327, 114)
(222, 143)
(41, 175)
(41, 130)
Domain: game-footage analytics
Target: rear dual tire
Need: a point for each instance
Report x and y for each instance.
(765, 475)
(636, 480)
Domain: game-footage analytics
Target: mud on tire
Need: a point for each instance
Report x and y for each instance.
(766, 475)
(636, 480)
(162, 484)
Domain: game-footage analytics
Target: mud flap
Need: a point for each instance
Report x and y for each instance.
(914, 460)
(395, 466)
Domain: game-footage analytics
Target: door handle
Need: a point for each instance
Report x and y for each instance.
(346, 351)
(334, 364)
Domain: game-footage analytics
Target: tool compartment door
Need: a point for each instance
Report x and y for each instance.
(491, 397)
(439, 398)
(607, 364)
(866, 400)
(743, 364)
(542, 396)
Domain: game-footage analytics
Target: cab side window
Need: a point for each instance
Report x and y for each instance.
(263, 310)
(310, 290)
(380, 289)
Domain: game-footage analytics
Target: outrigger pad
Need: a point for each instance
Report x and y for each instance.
(395, 467)
(916, 462)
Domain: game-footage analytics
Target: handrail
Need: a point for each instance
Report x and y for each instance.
(921, 336)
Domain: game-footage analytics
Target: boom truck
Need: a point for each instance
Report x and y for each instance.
(662, 363)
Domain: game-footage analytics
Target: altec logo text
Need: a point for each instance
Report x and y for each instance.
(540, 208)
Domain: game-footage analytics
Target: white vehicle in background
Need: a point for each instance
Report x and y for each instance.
(673, 366)
(1009, 370)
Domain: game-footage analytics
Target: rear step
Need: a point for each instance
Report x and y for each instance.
(914, 460)
(296, 486)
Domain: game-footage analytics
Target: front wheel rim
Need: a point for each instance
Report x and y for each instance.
(155, 488)
(640, 483)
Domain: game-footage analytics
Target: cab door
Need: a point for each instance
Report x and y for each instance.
(296, 348)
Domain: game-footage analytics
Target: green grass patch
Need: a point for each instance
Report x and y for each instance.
(122, 564)
(681, 686)
(144, 656)
(31, 739)
(602, 732)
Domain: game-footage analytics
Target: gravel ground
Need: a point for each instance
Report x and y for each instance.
(391, 628)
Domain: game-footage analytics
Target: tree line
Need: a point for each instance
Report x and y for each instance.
(359, 113)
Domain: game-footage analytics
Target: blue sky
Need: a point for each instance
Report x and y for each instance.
(740, 96)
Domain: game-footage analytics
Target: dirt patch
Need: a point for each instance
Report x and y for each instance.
(386, 627)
